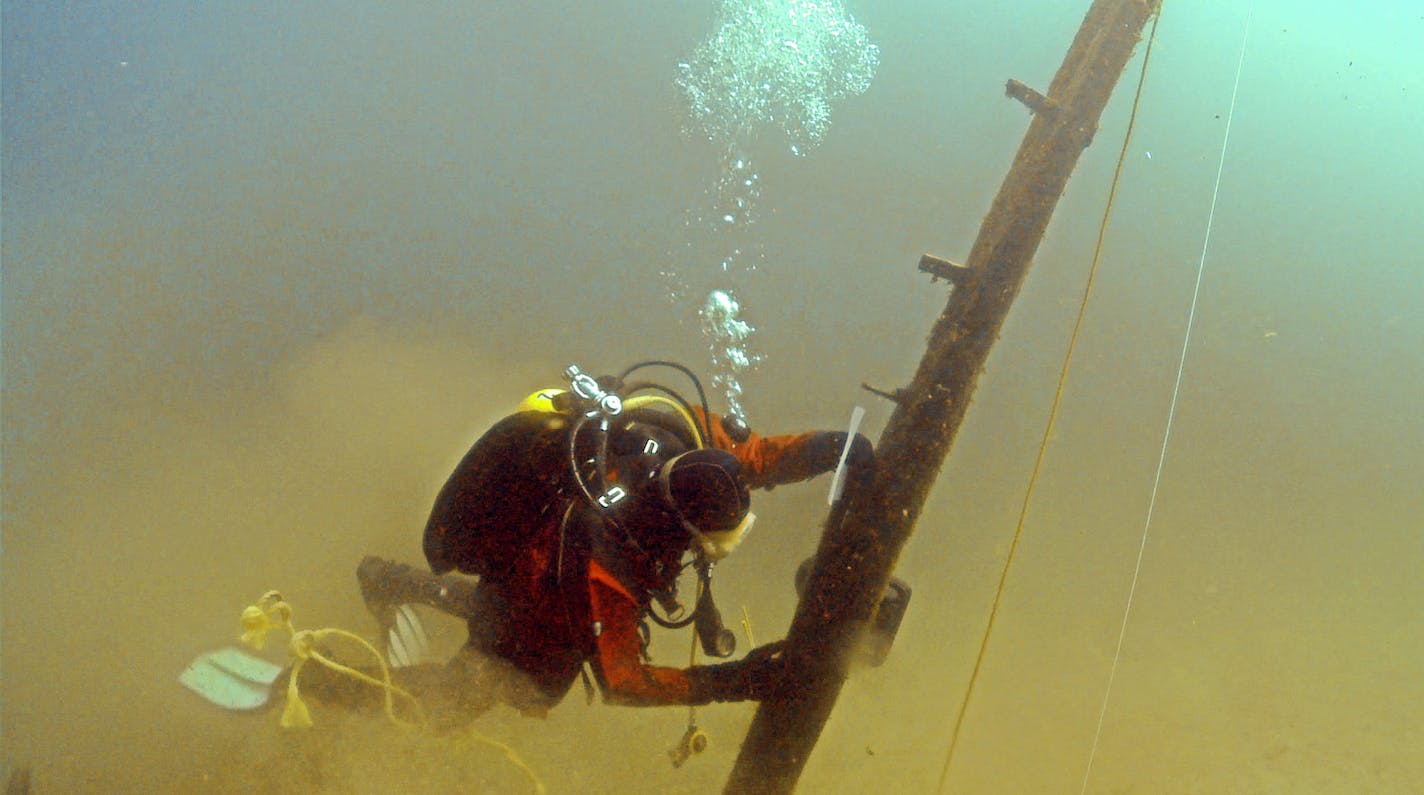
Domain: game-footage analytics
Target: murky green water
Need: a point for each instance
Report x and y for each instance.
(267, 271)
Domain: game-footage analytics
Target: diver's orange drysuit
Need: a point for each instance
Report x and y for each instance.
(568, 589)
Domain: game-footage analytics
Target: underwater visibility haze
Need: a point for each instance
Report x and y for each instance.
(269, 270)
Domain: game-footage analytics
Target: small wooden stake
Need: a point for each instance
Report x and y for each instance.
(952, 272)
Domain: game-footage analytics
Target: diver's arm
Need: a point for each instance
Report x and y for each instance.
(773, 460)
(618, 658)
(627, 680)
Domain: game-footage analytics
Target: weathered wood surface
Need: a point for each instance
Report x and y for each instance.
(862, 539)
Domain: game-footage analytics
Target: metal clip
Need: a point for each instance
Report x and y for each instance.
(693, 742)
(611, 497)
(587, 387)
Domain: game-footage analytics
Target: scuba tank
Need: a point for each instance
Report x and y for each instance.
(585, 444)
(527, 464)
(513, 474)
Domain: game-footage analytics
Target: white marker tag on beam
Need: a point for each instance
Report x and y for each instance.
(838, 482)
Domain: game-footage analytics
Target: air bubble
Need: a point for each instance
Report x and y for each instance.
(776, 62)
(769, 63)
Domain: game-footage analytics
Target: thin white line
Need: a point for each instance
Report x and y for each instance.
(1172, 408)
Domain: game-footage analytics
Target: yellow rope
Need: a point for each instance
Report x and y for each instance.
(1052, 416)
(272, 612)
(389, 688)
(474, 736)
(691, 661)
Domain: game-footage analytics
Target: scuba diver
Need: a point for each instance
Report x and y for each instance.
(576, 515)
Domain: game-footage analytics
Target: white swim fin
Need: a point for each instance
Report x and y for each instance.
(237, 680)
(406, 640)
(231, 678)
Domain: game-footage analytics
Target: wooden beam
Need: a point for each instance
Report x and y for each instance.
(864, 534)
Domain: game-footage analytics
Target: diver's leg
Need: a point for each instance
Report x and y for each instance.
(386, 584)
(451, 695)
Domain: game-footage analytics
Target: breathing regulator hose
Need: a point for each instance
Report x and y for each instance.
(601, 406)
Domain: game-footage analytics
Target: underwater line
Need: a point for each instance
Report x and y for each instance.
(1172, 407)
(1010, 556)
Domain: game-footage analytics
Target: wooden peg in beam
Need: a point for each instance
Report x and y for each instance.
(939, 268)
(1031, 99)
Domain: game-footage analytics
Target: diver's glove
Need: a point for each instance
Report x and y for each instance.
(752, 678)
(825, 448)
